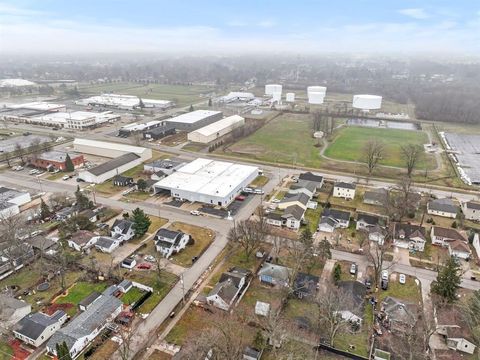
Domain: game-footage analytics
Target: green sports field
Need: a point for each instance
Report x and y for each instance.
(350, 141)
(182, 95)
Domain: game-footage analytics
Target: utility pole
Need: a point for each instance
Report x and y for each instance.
(183, 289)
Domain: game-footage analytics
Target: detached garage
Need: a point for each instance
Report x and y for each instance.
(111, 168)
(216, 130)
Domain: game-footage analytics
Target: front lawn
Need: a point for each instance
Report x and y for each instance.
(132, 296)
(313, 217)
(202, 238)
(409, 291)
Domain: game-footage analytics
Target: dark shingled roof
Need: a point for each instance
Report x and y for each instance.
(444, 205)
(113, 164)
(33, 325)
(336, 214)
(370, 219)
(123, 224)
(295, 211)
(473, 205)
(311, 177)
(447, 233)
(301, 198)
(90, 299)
(345, 185)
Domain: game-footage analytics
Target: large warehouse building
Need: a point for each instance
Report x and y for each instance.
(216, 130)
(109, 149)
(108, 170)
(127, 102)
(208, 181)
(194, 120)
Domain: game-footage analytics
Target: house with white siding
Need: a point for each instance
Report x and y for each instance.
(344, 190)
(471, 210)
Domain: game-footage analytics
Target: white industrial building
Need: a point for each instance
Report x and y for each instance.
(77, 120)
(271, 89)
(16, 83)
(367, 102)
(208, 181)
(127, 102)
(194, 120)
(316, 94)
(109, 149)
(216, 130)
(236, 96)
(111, 168)
(38, 106)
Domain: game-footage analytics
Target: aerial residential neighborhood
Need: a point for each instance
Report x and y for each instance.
(247, 180)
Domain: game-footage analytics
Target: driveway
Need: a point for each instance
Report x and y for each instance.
(401, 256)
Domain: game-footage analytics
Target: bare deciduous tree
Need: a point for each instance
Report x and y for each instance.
(401, 200)
(126, 336)
(249, 234)
(411, 155)
(375, 254)
(372, 154)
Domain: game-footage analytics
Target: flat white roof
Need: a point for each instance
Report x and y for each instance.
(137, 126)
(37, 105)
(193, 117)
(219, 125)
(109, 145)
(153, 101)
(15, 82)
(208, 177)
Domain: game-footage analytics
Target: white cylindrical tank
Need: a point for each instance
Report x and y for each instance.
(316, 97)
(277, 96)
(317, 89)
(367, 102)
(270, 89)
(290, 97)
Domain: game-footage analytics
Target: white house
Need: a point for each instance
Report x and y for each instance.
(409, 236)
(274, 274)
(122, 229)
(302, 186)
(11, 200)
(299, 199)
(228, 288)
(12, 310)
(274, 219)
(455, 332)
(344, 190)
(377, 233)
(293, 217)
(365, 221)
(169, 242)
(106, 244)
(443, 207)
(34, 329)
(332, 219)
(85, 327)
(459, 249)
(443, 236)
(471, 210)
(81, 240)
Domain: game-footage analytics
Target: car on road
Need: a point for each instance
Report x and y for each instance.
(195, 212)
(80, 180)
(259, 191)
(276, 201)
(353, 269)
(402, 279)
(65, 177)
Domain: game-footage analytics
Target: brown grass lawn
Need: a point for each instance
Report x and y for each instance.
(202, 237)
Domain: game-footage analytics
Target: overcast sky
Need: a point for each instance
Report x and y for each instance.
(228, 26)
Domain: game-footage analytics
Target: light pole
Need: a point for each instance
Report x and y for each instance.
(183, 289)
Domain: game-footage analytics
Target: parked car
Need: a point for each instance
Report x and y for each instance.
(149, 258)
(276, 201)
(259, 191)
(195, 212)
(385, 275)
(368, 283)
(247, 190)
(144, 266)
(240, 198)
(384, 284)
(33, 172)
(65, 177)
(80, 180)
(353, 269)
(402, 279)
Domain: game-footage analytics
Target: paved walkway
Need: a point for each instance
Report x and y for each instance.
(326, 275)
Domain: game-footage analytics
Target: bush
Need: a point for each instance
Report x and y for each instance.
(454, 225)
(353, 234)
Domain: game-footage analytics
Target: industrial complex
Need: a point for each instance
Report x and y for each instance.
(208, 181)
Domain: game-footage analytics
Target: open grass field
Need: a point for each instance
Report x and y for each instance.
(349, 143)
(80, 291)
(286, 139)
(182, 95)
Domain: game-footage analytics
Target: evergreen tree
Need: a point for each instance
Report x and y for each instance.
(141, 222)
(141, 105)
(69, 164)
(45, 211)
(448, 281)
(141, 184)
(191, 108)
(337, 273)
(62, 351)
(324, 250)
(83, 202)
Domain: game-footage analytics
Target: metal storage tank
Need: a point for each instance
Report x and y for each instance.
(316, 97)
(317, 89)
(270, 89)
(290, 97)
(277, 96)
(367, 102)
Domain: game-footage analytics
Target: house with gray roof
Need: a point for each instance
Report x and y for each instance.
(377, 197)
(228, 288)
(169, 242)
(443, 207)
(302, 186)
(85, 303)
(122, 229)
(34, 329)
(293, 217)
(274, 274)
(398, 316)
(299, 199)
(311, 177)
(365, 221)
(344, 190)
(12, 310)
(84, 328)
(106, 244)
(332, 219)
(471, 210)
